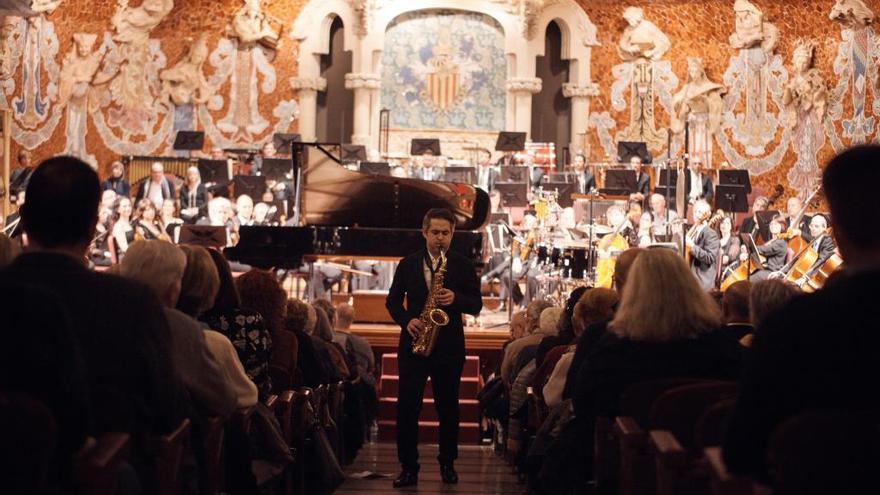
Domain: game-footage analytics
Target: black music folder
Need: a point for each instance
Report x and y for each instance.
(189, 140)
(214, 171)
(419, 147)
(282, 140)
(203, 235)
(252, 185)
(353, 153)
(619, 182)
(276, 168)
(510, 141)
(626, 150)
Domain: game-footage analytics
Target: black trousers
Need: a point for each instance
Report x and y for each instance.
(445, 373)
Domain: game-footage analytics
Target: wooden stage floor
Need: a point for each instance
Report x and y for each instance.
(480, 472)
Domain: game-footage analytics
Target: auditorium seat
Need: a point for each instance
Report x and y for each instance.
(28, 439)
(721, 481)
(211, 473)
(620, 443)
(96, 471)
(167, 452)
(676, 417)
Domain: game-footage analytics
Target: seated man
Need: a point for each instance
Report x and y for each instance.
(822, 244)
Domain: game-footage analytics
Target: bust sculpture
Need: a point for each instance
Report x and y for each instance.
(641, 39)
(185, 83)
(78, 68)
(806, 91)
(698, 95)
(251, 25)
(751, 29)
(851, 13)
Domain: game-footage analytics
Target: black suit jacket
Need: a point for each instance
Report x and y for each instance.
(819, 353)
(588, 184)
(708, 189)
(409, 285)
(704, 257)
(775, 252)
(825, 250)
(124, 338)
(643, 184)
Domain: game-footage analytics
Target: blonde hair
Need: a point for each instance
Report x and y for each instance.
(663, 301)
(9, 250)
(200, 282)
(548, 323)
(157, 264)
(767, 296)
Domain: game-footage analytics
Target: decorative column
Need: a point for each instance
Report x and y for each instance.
(522, 89)
(308, 88)
(580, 112)
(365, 86)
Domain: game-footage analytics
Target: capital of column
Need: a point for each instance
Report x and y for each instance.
(524, 85)
(308, 83)
(572, 90)
(358, 80)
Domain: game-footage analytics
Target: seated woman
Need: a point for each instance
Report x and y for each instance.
(666, 326)
(122, 231)
(198, 289)
(193, 196)
(146, 225)
(169, 220)
(244, 327)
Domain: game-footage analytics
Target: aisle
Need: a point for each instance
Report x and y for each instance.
(479, 469)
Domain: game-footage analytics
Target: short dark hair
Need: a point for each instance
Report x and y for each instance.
(227, 299)
(850, 183)
(62, 202)
(439, 214)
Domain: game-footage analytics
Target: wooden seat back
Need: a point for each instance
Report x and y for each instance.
(679, 409)
(167, 451)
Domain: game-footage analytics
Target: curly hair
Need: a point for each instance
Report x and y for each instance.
(261, 292)
(297, 315)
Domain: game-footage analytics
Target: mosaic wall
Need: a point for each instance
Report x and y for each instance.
(444, 70)
(847, 59)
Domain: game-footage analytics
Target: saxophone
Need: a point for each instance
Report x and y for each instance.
(432, 317)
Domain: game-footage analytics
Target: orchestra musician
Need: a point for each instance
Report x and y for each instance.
(193, 196)
(698, 184)
(643, 180)
(752, 225)
(822, 243)
(506, 160)
(773, 251)
(157, 187)
(644, 236)
(793, 208)
(487, 175)
(729, 244)
(702, 241)
(584, 179)
(430, 170)
(665, 221)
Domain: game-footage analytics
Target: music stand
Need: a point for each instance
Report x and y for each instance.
(619, 182)
(731, 198)
(276, 168)
(735, 178)
(515, 174)
(353, 153)
(626, 150)
(464, 175)
(375, 168)
(564, 189)
(560, 177)
(513, 193)
(213, 171)
(282, 141)
(189, 140)
(510, 141)
(252, 185)
(208, 236)
(419, 147)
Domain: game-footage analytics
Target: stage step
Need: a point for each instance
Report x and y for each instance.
(471, 365)
(429, 432)
(469, 409)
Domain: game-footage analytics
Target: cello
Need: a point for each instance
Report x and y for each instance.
(797, 243)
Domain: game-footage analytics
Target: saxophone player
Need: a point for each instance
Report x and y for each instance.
(460, 294)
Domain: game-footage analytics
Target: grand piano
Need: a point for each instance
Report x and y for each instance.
(351, 215)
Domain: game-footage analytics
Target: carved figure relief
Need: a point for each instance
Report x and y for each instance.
(250, 25)
(78, 69)
(641, 46)
(755, 76)
(698, 102)
(856, 69)
(804, 99)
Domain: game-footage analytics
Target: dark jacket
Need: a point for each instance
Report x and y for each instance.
(819, 353)
(409, 284)
(125, 343)
(120, 186)
(708, 189)
(704, 258)
(775, 252)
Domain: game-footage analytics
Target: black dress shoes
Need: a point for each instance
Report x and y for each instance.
(447, 472)
(406, 478)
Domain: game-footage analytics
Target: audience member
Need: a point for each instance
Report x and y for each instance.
(531, 338)
(359, 347)
(245, 328)
(322, 337)
(735, 310)
(301, 316)
(259, 291)
(198, 291)
(9, 250)
(768, 296)
(133, 385)
(565, 334)
(820, 352)
(160, 266)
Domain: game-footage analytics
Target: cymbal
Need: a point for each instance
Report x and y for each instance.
(597, 229)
